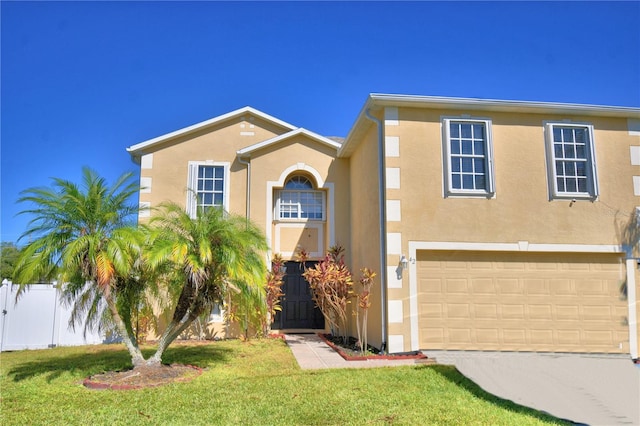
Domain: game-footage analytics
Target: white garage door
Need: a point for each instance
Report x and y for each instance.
(522, 301)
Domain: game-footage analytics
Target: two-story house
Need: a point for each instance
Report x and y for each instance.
(493, 225)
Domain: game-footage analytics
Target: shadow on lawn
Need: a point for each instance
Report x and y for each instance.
(95, 360)
(454, 376)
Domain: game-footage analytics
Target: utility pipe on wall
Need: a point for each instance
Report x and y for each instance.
(383, 227)
(248, 202)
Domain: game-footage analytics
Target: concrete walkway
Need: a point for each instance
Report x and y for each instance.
(313, 353)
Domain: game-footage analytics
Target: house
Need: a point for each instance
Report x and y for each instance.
(494, 225)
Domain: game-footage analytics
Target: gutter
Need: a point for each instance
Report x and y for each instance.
(383, 228)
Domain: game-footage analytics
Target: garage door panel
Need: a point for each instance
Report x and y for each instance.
(522, 302)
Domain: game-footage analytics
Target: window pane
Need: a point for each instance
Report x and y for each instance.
(467, 165)
(467, 147)
(581, 168)
(570, 168)
(218, 185)
(455, 130)
(580, 135)
(582, 185)
(580, 151)
(208, 172)
(480, 182)
(217, 199)
(478, 131)
(558, 150)
(569, 151)
(207, 198)
(465, 130)
(478, 165)
(478, 148)
(455, 147)
(200, 185)
(455, 182)
(455, 165)
(560, 183)
(208, 185)
(467, 181)
(560, 168)
(201, 171)
(557, 134)
(219, 172)
(567, 135)
(571, 185)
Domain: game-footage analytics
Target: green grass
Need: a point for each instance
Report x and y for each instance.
(256, 382)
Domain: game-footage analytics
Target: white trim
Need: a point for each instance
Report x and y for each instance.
(192, 177)
(392, 146)
(636, 185)
(634, 152)
(134, 148)
(393, 211)
(247, 133)
(300, 131)
(394, 244)
(392, 277)
(271, 185)
(144, 209)
(146, 161)
(391, 116)
(633, 303)
(396, 343)
(392, 177)
(145, 185)
(592, 174)
(489, 174)
(520, 246)
(395, 312)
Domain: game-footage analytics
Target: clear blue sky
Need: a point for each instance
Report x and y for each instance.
(81, 81)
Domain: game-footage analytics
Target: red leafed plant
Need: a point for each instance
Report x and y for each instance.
(331, 287)
(274, 288)
(364, 303)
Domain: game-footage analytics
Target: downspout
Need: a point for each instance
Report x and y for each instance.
(383, 228)
(248, 202)
(247, 215)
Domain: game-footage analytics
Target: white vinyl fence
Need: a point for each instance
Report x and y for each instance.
(39, 320)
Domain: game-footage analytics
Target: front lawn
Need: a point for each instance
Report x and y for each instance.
(256, 383)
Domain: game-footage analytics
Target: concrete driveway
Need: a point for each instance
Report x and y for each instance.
(582, 388)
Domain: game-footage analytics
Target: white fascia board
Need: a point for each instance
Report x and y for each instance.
(244, 152)
(246, 110)
(521, 246)
(502, 105)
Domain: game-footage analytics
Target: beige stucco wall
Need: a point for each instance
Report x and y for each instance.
(365, 225)
(521, 209)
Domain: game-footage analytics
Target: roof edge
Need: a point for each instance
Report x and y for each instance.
(247, 151)
(135, 149)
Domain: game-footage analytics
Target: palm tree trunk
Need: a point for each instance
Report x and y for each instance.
(136, 355)
(174, 329)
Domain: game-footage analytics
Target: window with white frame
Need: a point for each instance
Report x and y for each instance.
(208, 186)
(298, 200)
(572, 169)
(469, 157)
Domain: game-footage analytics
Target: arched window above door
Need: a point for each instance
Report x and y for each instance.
(298, 200)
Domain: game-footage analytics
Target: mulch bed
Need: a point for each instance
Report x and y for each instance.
(350, 351)
(143, 377)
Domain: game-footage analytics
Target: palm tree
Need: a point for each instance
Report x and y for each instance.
(83, 236)
(211, 255)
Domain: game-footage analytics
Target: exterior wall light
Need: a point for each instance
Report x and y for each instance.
(404, 263)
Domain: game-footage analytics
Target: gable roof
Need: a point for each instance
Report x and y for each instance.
(137, 149)
(246, 152)
(377, 101)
